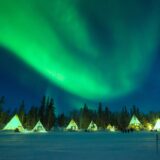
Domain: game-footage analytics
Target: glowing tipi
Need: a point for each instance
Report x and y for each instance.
(157, 125)
(39, 128)
(92, 127)
(134, 123)
(111, 128)
(72, 126)
(14, 124)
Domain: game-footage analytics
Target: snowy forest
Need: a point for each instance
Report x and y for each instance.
(46, 114)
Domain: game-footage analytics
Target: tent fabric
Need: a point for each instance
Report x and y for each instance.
(111, 128)
(134, 121)
(72, 126)
(14, 124)
(135, 124)
(157, 125)
(92, 127)
(39, 127)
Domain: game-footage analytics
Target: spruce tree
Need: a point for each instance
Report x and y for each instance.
(84, 117)
(32, 117)
(100, 116)
(42, 111)
(123, 118)
(2, 101)
(50, 115)
(61, 120)
(21, 112)
(107, 115)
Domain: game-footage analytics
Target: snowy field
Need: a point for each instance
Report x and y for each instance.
(78, 146)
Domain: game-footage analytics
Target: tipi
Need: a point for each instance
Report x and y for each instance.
(92, 127)
(72, 126)
(111, 128)
(135, 123)
(14, 124)
(39, 128)
(157, 125)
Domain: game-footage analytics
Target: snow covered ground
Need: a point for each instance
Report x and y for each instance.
(78, 146)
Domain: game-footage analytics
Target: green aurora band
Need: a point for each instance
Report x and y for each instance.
(92, 49)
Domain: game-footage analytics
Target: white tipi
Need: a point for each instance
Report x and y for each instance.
(14, 124)
(39, 128)
(157, 125)
(134, 123)
(92, 127)
(72, 126)
(111, 128)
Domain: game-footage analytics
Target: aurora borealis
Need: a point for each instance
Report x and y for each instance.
(96, 50)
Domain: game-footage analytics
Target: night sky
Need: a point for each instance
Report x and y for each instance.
(80, 51)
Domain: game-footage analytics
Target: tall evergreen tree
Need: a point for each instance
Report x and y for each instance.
(100, 116)
(84, 117)
(61, 120)
(42, 110)
(2, 102)
(124, 118)
(32, 117)
(21, 111)
(135, 111)
(50, 114)
(107, 115)
(3, 114)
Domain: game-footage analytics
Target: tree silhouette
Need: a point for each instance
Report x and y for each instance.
(50, 114)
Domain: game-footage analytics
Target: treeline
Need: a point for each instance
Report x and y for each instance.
(45, 113)
(102, 116)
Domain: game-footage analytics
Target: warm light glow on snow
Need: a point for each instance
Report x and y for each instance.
(149, 126)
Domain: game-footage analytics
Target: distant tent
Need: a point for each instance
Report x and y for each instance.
(14, 124)
(111, 128)
(72, 126)
(39, 127)
(157, 125)
(134, 123)
(92, 127)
